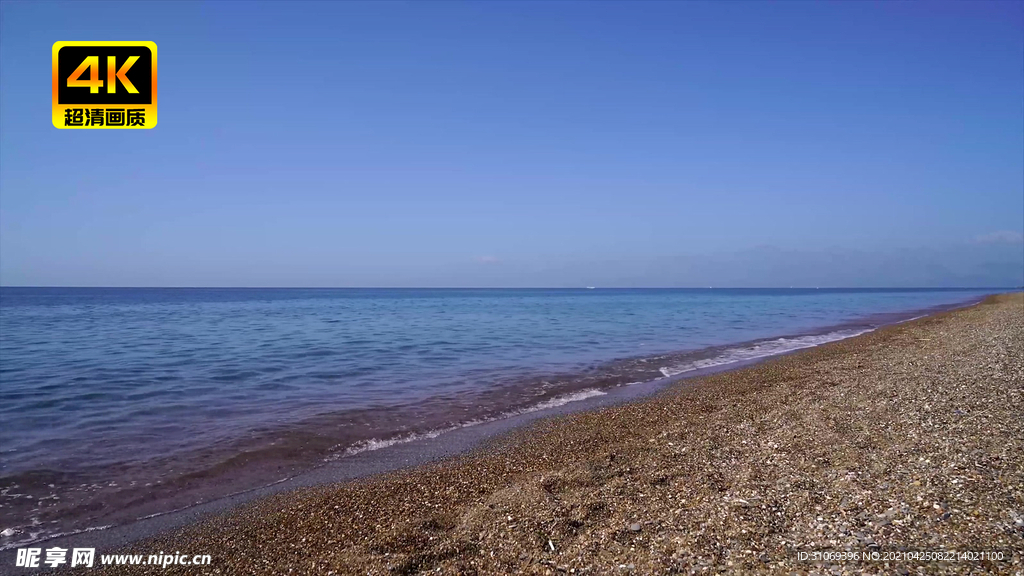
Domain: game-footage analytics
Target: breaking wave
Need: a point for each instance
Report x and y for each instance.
(762, 349)
(377, 443)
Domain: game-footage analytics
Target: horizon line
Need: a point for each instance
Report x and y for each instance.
(518, 287)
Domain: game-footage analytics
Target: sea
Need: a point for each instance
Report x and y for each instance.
(124, 403)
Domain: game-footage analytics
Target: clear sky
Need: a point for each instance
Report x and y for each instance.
(526, 144)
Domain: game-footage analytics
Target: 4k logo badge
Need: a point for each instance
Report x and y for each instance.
(104, 84)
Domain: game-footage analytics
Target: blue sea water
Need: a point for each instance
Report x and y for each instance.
(108, 396)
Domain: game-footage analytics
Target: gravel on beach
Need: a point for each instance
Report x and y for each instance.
(907, 439)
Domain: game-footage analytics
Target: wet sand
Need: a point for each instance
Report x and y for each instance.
(908, 438)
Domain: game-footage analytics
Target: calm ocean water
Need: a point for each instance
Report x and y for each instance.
(116, 403)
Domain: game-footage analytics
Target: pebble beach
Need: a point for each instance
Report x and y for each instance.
(906, 439)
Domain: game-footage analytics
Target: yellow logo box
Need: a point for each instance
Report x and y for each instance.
(104, 85)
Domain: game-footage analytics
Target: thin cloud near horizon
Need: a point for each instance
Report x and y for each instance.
(1000, 237)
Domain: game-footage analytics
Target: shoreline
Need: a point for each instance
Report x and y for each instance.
(438, 446)
(410, 460)
(427, 446)
(910, 436)
(365, 465)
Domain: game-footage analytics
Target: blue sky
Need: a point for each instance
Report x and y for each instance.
(526, 144)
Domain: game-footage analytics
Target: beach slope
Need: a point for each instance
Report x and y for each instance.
(907, 438)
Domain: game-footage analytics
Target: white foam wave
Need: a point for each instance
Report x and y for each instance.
(378, 443)
(911, 319)
(34, 537)
(561, 400)
(762, 349)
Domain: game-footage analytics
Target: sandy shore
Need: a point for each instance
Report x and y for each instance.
(908, 438)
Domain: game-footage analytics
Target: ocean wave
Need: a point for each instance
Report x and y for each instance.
(39, 536)
(559, 401)
(753, 351)
(378, 443)
(762, 349)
